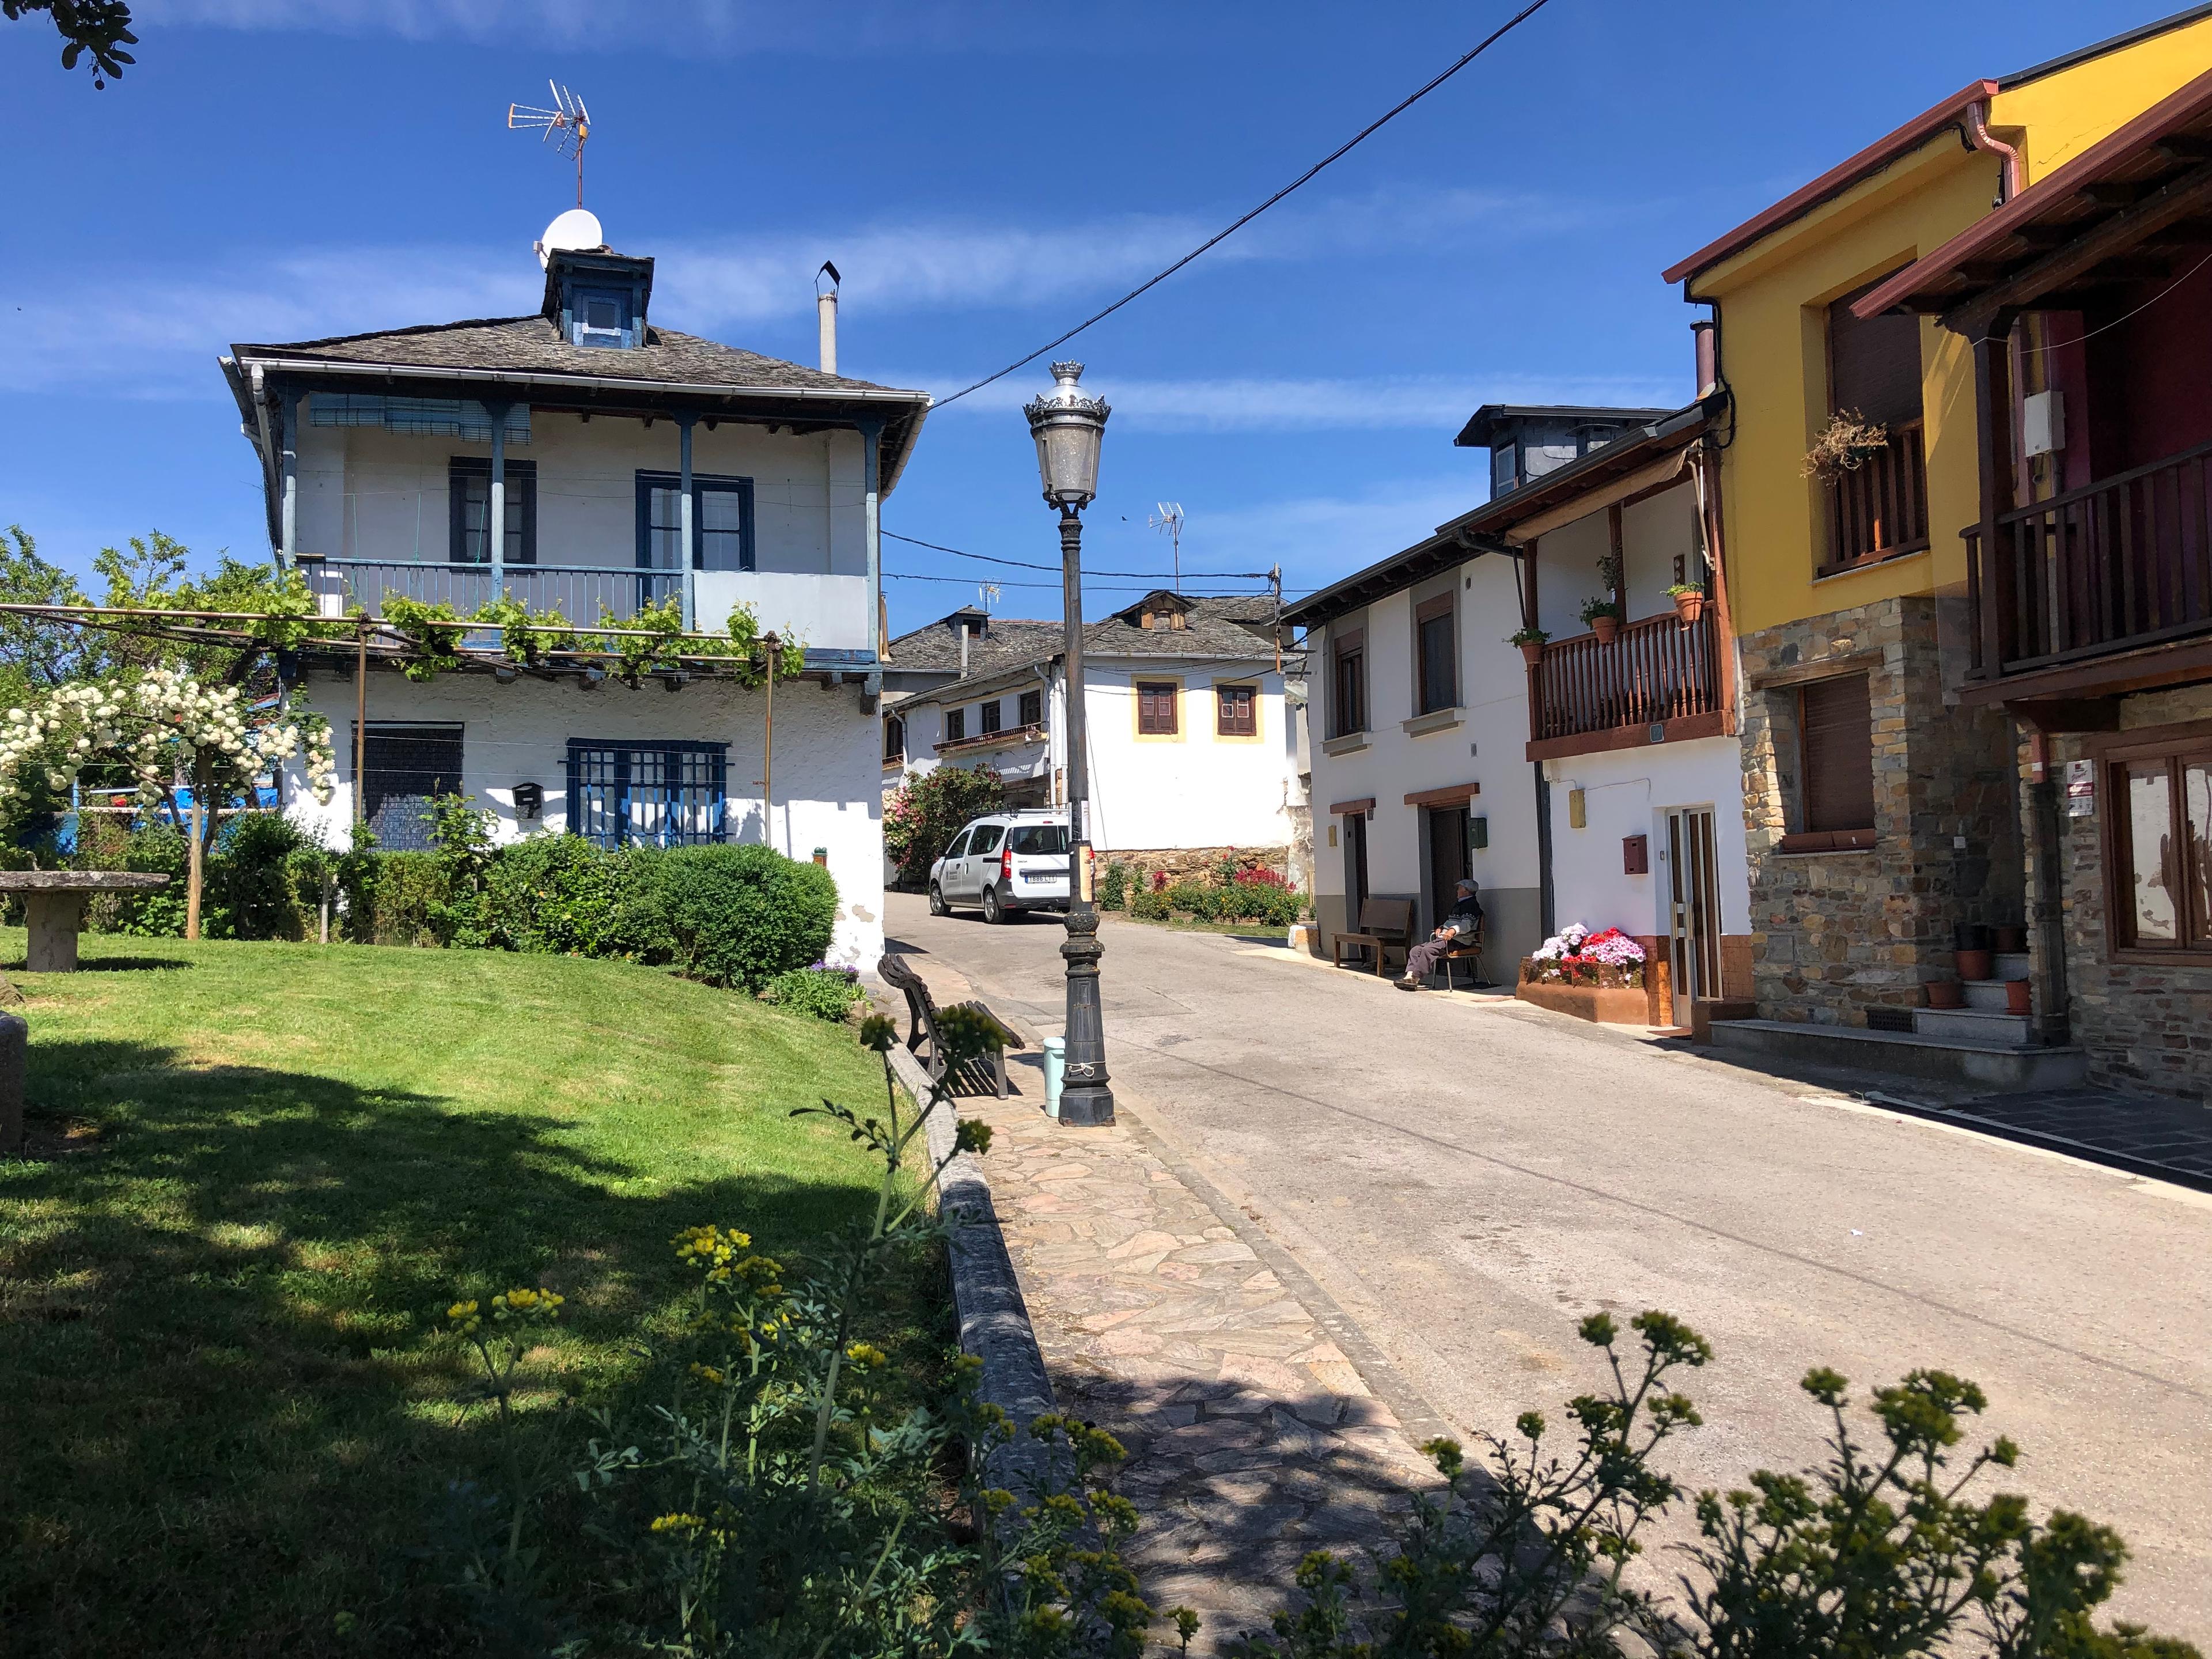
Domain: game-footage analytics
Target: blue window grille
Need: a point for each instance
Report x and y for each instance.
(420, 417)
(648, 794)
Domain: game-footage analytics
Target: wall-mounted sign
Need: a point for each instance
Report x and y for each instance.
(2080, 789)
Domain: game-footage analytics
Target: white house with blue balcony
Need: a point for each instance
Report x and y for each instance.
(585, 460)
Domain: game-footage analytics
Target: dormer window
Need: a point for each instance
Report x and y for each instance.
(602, 320)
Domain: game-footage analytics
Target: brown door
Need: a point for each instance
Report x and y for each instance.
(1355, 869)
(1448, 858)
(1693, 910)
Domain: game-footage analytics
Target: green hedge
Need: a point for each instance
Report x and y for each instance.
(740, 915)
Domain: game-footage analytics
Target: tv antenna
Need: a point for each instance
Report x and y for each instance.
(565, 126)
(986, 595)
(1170, 518)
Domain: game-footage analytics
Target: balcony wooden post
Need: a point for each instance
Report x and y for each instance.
(1994, 446)
(1706, 462)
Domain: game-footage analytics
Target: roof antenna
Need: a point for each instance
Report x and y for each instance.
(987, 594)
(1170, 518)
(565, 126)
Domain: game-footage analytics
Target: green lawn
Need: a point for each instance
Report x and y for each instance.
(259, 1174)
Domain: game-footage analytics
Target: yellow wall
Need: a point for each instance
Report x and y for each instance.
(1771, 295)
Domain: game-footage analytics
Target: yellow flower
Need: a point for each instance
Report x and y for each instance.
(461, 1310)
(863, 1355)
(708, 1374)
(678, 1521)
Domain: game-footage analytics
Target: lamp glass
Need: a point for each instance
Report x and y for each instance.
(1068, 428)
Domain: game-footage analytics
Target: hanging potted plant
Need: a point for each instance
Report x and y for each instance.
(1531, 641)
(1847, 443)
(1602, 617)
(1689, 601)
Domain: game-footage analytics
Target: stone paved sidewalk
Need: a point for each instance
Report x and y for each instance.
(1252, 1437)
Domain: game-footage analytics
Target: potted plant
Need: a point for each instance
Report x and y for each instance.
(1689, 600)
(1602, 616)
(1531, 641)
(2018, 998)
(1946, 993)
(1847, 443)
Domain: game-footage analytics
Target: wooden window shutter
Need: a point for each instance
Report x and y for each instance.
(1835, 726)
(1874, 366)
(1236, 717)
(1156, 709)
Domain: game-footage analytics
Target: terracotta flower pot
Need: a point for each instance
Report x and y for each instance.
(2017, 1000)
(1689, 607)
(2012, 938)
(1978, 964)
(1606, 628)
(1532, 653)
(1946, 993)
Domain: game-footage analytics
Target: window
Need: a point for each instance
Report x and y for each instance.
(1038, 838)
(602, 318)
(894, 738)
(1437, 685)
(403, 768)
(988, 837)
(1348, 686)
(1156, 708)
(1878, 508)
(1033, 707)
(2159, 854)
(721, 522)
(959, 847)
(416, 417)
(956, 724)
(992, 714)
(1874, 366)
(1236, 712)
(648, 795)
(468, 499)
(1835, 728)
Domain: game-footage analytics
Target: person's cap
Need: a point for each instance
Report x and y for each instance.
(1469, 884)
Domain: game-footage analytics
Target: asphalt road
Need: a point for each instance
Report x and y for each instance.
(1468, 1178)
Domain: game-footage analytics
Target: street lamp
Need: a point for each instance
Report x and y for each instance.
(1068, 428)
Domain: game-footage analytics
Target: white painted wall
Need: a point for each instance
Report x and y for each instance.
(368, 494)
(1627, 792)
(1488, 747)
(1195, 789)
(826, 755)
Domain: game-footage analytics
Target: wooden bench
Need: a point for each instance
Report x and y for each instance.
(985, 1074)
(1385, 925)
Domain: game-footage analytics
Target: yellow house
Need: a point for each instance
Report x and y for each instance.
(1882, 830)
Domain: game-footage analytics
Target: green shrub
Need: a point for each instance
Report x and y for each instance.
(1190, 898)
(560, 895)
(109, 846)
(740, 915)
(250, 893)
(1149, 907)
(396, 898)
(829, 993)
(1114, 887)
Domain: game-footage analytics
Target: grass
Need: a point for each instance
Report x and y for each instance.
(260, 1172)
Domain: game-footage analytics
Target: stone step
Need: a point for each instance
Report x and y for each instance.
(1911, 1055)
(1988, 994)
(1992, 1031)
(2012, 965)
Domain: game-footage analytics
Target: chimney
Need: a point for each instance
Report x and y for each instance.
(964, 648)
(1707, 332)
(825, 306)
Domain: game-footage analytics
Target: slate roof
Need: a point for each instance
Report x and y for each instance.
(1236, 630)
(534, 345)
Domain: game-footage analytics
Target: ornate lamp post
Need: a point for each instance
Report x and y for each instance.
(1068, 428)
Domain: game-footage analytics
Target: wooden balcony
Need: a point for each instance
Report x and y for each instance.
(1658, 682)
(1879, 510)
(2117, 566)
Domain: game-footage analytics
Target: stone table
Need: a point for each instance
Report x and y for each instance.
(53, 904)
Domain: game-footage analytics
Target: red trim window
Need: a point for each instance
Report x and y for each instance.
(2160, 891)
(1156, 709)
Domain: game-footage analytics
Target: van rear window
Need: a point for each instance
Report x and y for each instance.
(1038, 838)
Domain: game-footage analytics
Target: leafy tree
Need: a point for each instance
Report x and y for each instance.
(922, 815)
(100, 27)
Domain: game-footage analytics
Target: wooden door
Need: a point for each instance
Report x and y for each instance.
(1355, 869)
(1694, 910)
(1449, 860)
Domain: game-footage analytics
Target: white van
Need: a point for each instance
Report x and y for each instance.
(1004, 863)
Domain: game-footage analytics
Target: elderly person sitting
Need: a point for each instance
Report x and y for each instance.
(1464, 922)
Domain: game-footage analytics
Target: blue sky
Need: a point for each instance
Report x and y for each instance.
(984, 175)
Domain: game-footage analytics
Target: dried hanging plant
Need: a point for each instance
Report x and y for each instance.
(1847, 443)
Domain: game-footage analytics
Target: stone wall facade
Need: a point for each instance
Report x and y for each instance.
(2145, 1026)
(1197, 863)
(1834, 934)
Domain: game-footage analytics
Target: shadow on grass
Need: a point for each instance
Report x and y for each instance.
(91, 964)
(224, 1401)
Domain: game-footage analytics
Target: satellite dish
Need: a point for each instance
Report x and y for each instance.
(574, 229)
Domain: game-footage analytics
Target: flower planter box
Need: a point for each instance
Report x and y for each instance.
(1607, 996)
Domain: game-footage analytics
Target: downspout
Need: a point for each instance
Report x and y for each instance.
(288, 425)
(687, 532)
(1978, 136)
(265, 444)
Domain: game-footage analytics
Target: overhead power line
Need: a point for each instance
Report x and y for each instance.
(1112, 587)
(1025, 564)
(1338, 153)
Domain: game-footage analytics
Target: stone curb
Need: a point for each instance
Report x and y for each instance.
(987, 1296)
